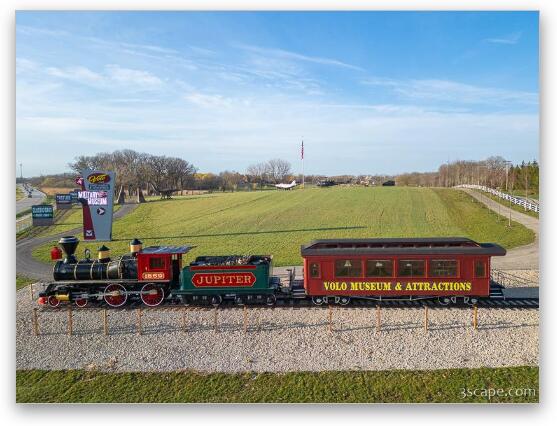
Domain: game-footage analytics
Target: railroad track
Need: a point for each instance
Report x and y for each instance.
(514, 303)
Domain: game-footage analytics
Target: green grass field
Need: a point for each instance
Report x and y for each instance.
(21, 281)
(278, 222)
(530, 194)
(324, 387)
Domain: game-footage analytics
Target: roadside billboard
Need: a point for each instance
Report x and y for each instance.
(97, 199)
(42, 214)
(63, 201)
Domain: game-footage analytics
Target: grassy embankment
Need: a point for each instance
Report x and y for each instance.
(324, 387)
(19, 194)
(64, 220)
(530, 194)
(514, 207)
(278, 222)
(22, 281)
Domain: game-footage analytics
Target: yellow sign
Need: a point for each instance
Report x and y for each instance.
(417, 286)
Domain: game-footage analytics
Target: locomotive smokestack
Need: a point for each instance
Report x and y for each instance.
(68, 246)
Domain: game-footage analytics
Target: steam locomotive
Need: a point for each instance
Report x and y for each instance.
(335, 271)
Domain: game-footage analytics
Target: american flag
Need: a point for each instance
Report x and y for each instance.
(302, 150)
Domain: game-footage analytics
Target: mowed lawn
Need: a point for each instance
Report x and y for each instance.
(512, 384)
(278, 222)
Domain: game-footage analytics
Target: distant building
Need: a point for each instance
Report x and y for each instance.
(326, 183)
(389, 183)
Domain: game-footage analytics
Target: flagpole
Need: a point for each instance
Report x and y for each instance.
(303, 175)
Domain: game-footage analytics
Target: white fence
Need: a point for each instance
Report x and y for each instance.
(527, 204)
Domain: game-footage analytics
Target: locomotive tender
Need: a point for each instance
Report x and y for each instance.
(335, 271)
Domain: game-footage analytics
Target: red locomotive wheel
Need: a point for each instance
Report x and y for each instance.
(152, 295)
(81, 302)
(53, 301)
(115, 295)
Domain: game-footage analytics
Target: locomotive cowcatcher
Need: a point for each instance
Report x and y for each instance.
(335, 271)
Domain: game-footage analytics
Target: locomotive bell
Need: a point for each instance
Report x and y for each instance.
(104, 253)
(68, 245)
(135, 246)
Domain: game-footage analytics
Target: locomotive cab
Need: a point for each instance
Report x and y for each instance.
(160, 263)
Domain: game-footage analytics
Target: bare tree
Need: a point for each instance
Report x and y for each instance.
(257, 173)
(230, 180)
(278, 169)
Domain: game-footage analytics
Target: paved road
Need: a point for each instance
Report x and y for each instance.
(523, 257)
(26, 265)
(25, 203)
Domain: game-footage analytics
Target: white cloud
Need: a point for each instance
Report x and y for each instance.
(79, 74)
(285, 54)
(452, 91)
(133, 77)
(111, 74)
(218, 132)
(23, 65)
(508, 39)
(208, 101)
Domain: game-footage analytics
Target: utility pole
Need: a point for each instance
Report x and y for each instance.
(526, 186)
(21, 172)
(510, 207)
(507, 163)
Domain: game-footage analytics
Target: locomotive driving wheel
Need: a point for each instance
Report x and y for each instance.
(152, 295)
(81, 302)
(115, 295)
(53, 301)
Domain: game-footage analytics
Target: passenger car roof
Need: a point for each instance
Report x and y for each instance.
(425, 246)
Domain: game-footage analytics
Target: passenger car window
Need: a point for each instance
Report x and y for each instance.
(411, 268)
(479, 269)
(443, 268)
(348, 268)
(314, 270)
(379, 268)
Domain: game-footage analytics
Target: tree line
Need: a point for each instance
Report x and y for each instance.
(494, 172)
(137, 173)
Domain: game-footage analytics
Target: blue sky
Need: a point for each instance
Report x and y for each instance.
(370, 92)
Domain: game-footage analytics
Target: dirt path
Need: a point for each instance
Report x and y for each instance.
(26, 265)
(523, 257)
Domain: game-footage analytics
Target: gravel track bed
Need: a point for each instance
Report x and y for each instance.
(277, 340)
(525, 278)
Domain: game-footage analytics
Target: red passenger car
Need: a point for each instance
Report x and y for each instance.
(450, 269)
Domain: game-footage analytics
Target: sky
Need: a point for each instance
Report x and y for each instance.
(368, 92)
